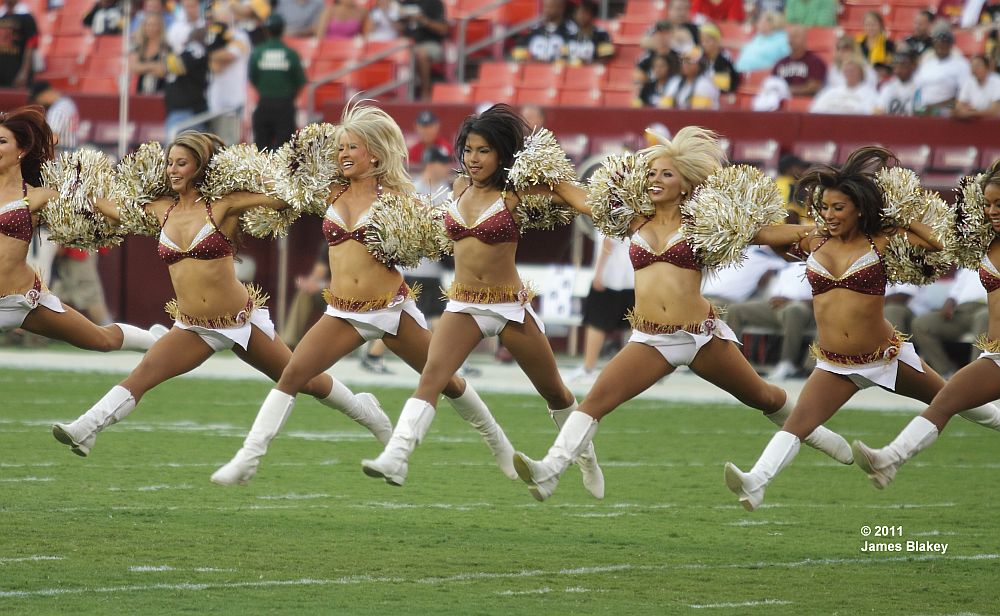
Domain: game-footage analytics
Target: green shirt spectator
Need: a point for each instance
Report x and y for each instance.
(276, 70)
(811, 12)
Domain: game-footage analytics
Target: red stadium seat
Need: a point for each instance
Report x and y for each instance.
(820, 40)
(372, 76)
(492, 94)
(619, 78)
(110, 45)
(648, 11)
(539, 75)
(537, 96)
(305, 47)
(626, 55)
(970, 42)
(734, 35)
(818, 152)
(580, 98)
(451, 93)
(103, 66)
(499, 74)
(98, 85)
(583, 77)
(74, 45)
(518, 11)
(60, 66)
(339, 49)
(619, 98)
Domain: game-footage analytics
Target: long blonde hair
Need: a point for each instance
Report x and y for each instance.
(383, 138)
(694, 150)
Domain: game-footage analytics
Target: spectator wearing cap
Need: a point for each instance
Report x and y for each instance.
(719, 65)
(428, 138)
(276, 72)
(804, 71)
(591, 43)
(692, 88)
(719, 10)
(61, 114)
(979, 96)
(898, 96)
(106, 17)
(424, 23)
(768, 45)
(18, 43)
(941, 74)
(548, 41)
(300, 16)
(853, 97)
(919, 40)
(811, 12)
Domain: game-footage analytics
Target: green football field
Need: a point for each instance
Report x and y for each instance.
(137, 528)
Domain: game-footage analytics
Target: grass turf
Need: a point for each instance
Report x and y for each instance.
(138, 528)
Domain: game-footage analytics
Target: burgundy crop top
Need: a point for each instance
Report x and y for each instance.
(335, 229)
(988, 275)
(15, 217)
(210, 243)
(677, 252)
(866, 275)
(496, 224)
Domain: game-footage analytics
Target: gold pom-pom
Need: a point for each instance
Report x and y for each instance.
(263, 222)
(903, 200)
(80, 178)
(539, 212)
(541, 161)
(402, 230)
(906, 263)
(973, 232)
(727, 211)
(140, 178)
(306, 167)
(238, 168)
(618, 194)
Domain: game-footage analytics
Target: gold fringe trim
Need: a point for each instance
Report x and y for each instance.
(505, 294)
(350, 304)
(705, 327)
(984, 343)
(882, 354)
(257, 299)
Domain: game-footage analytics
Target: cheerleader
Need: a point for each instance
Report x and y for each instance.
(487, 297)
(367, 298)
(213, 310)
(850, 260)
(26, 143)
(975, 384)
(673, 324)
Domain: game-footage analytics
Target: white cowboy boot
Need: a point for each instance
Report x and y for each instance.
(271, 417)
(822, 439)
(137, 339)
(363, 408)
(881, 464)
(750, 486)
(542, 477)
(987, 415)
(472, 409)
(392, 464)
(593, 476)
(81, 434)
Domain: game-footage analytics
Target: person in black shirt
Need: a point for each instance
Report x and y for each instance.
(187, 76)
(423, 22)
(18, 41)
(657, 44)
(653, 90)
(591, 43)
(105, 18)
(548, 41)
(920, 41)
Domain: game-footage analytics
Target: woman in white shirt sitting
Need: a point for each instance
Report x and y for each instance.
(854, 97)
(979, 96)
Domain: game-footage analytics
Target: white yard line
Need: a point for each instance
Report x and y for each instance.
(763, 603)
(26, 559)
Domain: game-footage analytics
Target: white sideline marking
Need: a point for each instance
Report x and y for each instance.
(483, 575)
(293, 496)
(935, 533)
(746, 522)
(24, 559)
(514, 593)
(153, 568)
(742, 604)
(25, 479)
(447, 506)
(26, 464)
(616, 514)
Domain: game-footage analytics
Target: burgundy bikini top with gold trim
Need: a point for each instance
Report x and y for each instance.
(496, 225)
(677, 252)
(15, 217)
(866, 275)
(210, 242)
(988, 275)
(335, 228)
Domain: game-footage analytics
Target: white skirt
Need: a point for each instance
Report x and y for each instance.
(15, 308)
(375, 324)
(492, 318)
(681, 347)
(881, 373)
(220, 339)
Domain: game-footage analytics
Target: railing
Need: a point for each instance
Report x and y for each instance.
(500, 32)
(406, 78)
